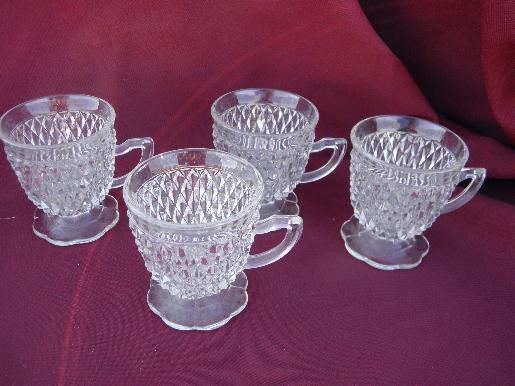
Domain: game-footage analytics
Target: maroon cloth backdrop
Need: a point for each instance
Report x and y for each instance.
(78, 315)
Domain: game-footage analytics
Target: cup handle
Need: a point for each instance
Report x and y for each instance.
(339, 145)
(293, 226)
(146, 145)
(477, 177)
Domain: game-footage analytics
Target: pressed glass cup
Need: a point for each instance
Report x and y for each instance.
(194, 214)
(275, 131)
(403, 172)
(62, 149)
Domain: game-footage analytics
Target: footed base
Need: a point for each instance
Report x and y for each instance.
(79, 229)
(199, 314)
(382, 253)
(286, 206)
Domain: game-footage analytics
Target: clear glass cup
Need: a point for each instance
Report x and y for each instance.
(62, 149)
(194, 214)
(403, 172)
(275, 131)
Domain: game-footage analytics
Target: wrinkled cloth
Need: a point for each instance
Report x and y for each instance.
(78, 315)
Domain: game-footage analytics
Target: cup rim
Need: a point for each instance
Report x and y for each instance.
(7, 139)
(356, 145)
(308, 127)
(253, 203)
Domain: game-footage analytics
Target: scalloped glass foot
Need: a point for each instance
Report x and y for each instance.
(206, 313)
(287, 206)
(80, 229)
(382, 253)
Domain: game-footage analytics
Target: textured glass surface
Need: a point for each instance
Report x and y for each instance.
(195, 264)
(407, 150)
(193, 195)
(56, 128)
(73, 177)
(403, 172)
(273, 138)
(395, 198)
(194, 214)
(264, 118)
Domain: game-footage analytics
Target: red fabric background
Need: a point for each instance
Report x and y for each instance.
(78, 315)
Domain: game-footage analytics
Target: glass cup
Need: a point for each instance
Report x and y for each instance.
(275, 131)
(62, 149)
(194, 214)
(402, 174)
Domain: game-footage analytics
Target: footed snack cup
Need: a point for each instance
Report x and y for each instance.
(194, 214)
(275, 131)
(62, 149)
(403, 172)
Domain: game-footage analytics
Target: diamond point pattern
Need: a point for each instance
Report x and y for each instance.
(193, 267)
(58, 127)
(264, 118)
(394, 203)
(68, 180)
(194, 195)
(407, 150)
(280, 160)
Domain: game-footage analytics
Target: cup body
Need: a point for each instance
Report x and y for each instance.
(62, 150)
(272, 129)
(403, 172)
(193, 214)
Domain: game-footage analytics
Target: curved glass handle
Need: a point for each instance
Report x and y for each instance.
(146, 145)
(339, 145)
(293, 226)
(477, 177)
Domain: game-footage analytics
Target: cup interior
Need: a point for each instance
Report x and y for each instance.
(193, 187)
(409, 143)
(55, 120)
(264, 112)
